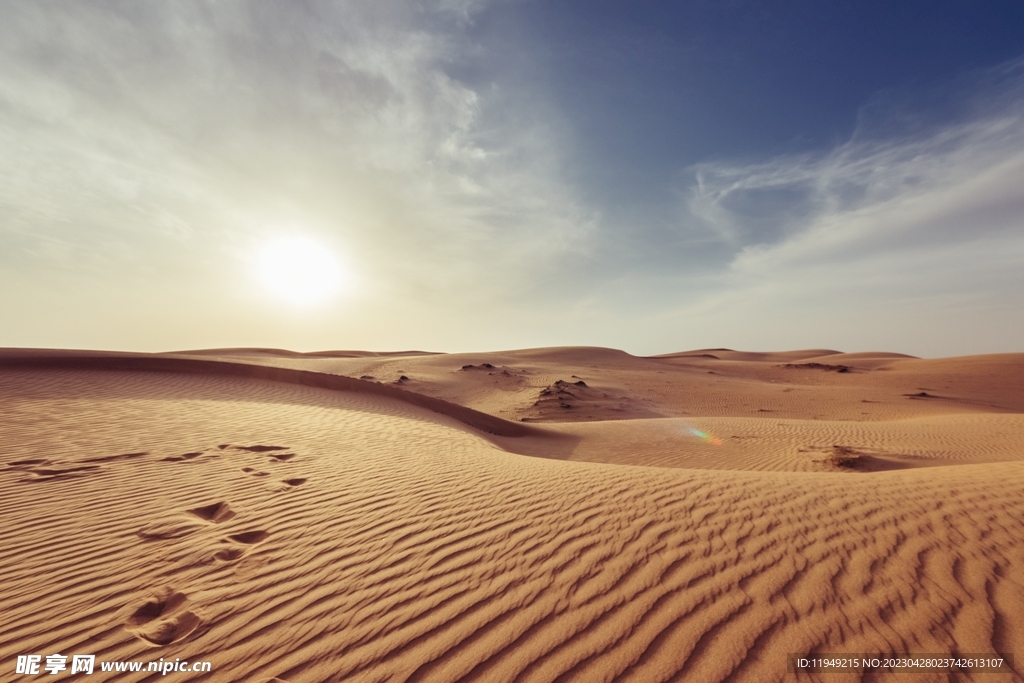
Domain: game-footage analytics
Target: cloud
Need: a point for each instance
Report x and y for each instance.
(927, 225)
(168, 136)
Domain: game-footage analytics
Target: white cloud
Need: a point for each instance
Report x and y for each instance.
(176, 133)
(922, 230)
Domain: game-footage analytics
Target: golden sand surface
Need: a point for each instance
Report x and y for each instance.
(567, 514)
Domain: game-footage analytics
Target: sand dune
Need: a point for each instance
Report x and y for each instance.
(177, 364)
(282, 518)
(794, 385)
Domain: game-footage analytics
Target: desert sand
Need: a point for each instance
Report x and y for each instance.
(562, 514)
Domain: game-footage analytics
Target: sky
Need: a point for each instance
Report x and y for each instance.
(475, 175)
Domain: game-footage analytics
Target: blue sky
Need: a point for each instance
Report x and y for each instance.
(652, 176)
(653, 86)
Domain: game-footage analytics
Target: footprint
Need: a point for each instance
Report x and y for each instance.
(163, 619)
(245, 538)
(254, 472)
(287, 484)
(183, 525)
(249, 537)
(166, 602)
(183, 456)
(171, 630)
(216, 513)
(228, 554)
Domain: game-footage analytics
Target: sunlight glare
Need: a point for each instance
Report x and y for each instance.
(299, 270)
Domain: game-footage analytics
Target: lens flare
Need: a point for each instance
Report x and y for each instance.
(703, 436)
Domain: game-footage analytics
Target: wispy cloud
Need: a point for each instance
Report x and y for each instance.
(883, 229)
(166, 131)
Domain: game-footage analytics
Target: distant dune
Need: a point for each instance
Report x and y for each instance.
(563, 514)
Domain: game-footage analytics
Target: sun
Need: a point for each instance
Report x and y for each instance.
(300, 271)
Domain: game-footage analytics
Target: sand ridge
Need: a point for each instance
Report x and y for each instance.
(798, 385)
(300, 532)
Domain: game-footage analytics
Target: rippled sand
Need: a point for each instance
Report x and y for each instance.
(259, 511)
